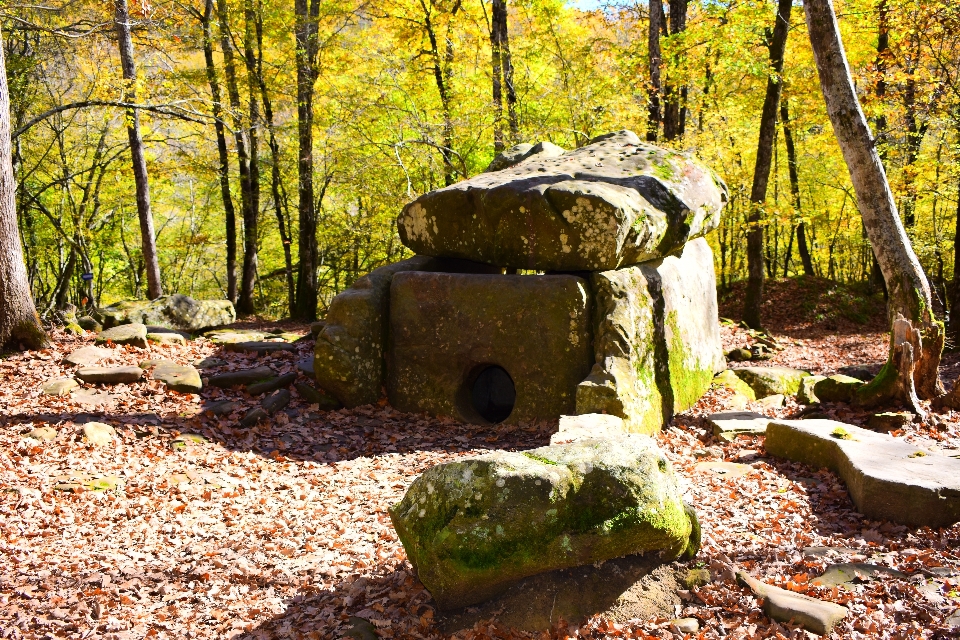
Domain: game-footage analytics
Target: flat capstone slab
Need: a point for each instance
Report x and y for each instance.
(86, 356)
(110, 375)
(244, 377)
(730, 424)
(133, 334)
(448, 329)
(180, 378)
(888, 478)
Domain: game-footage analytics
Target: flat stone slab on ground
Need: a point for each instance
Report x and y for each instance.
(590, 425)
(166, 338)
(59, 387)
(768, 381)
(786, 606)
(272, 384)
(312, 395)
(888, 478)
(223, 408)
(259, 347)
(848, 574)
(243, 377)
(76, 481)
(177, 377)
(133, 334)
(98, 434)
(93, 398)
(86, 356)
(729, 424)
(44, 434)
(110, 375)
(727, 470)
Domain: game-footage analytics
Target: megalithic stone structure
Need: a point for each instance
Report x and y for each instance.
(614, 311)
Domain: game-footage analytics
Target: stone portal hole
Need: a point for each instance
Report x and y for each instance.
(493, 394)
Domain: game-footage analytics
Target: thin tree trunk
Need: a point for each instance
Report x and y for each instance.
(656, 60)
(507, 67)
(223, 168)
(908, 288)
(883, 49)
(915, 134)
(147, 234)
(251, 214)
(498, 14)
(794, 171)
(19, 322)
(761, 173)
(307, 13)
(674, 110)
(953, 329)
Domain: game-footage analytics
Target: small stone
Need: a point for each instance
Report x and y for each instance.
(243, 377)
(727, 470)
(838, 388)
(86, 356)
(43, 434)
(889, 421)
(360, 629)
(264, 348)
(806, 393)
(166, 338)
(74, 328)
(133, 334)
(775, 401)
(767, 381)
(185, 440)
(110, 375)
(76, 481)
(209, 363)
(93, 398)
(324, 401)
(253, 417)
(686, 625)
(317, 327)
(696, 578)
(98, 434)
(849, 574)
(90, 324)
(786, 606)
(306, 367)
(739, 355)
(862, 372)
(223, 408)
(276, 401)
(268, 386)
(59, 387)
(180, 378)
(729, 379)
(589, 425)
(733, 423)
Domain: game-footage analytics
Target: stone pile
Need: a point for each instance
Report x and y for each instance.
(563, 283)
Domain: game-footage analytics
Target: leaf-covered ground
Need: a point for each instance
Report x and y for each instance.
(281, 531)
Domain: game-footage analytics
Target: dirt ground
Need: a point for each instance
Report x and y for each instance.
(281, 531)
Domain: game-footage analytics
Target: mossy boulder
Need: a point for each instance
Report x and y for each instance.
(730, 380)
(616, 201)
(134, 334)
(472, 527)
(807, 394)
(656, 339)
(837, 388)
(176, 311)
(768, 381)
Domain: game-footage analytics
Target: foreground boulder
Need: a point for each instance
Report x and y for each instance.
(888, 479)
(769, 381)
(134, 334)
(176, 311)
(472, 527)
(656, 339)
(614, 202)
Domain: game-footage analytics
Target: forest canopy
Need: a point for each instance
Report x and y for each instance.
(410, 95)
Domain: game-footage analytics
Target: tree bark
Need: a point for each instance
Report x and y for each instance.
(675, 109)
(223, 169)
(19, 322)
(507, 67)
(656, 60)
(761, 173)
(498, 13)
(251, 214)
(442, 74)
(953, 329)
(908, 288)
(794, 171)
(147, 234)
(307, 13)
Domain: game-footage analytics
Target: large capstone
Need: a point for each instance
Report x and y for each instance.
(176, 311)
(614, 202)
(656, 337)
(472, 527)
(488, 348)
(350, 348)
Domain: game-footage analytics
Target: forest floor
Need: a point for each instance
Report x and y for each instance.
(282, 531)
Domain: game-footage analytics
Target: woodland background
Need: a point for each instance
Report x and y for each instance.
(405, 102)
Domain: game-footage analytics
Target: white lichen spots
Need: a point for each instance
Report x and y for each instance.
(416, 223)
(563, 243)
(501, 482)
(523, 210)
(423, 513)
(537, 482)
(430, 488)
(499, 530)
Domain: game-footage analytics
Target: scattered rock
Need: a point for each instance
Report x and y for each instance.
(272, 384)
(98, 434)
(76, 481)
(90, 324)
(768, 381)
(86, 356)
(230, 336)
(110, 375)
(43, 434)
(622, 202)
(727, 425)
(166, 338)
(685, 625)
(781, 605)
(775, 401)
(696, 578)
(59, 387)
(253, 417)
(74, 328)
(739, 355)
(317, 327)
(276, 401)
(837, 388)
(175, 311)
(185, 440)
(889, 421)
(726, 469)
(806, 394)
(93, 398)
(360, 629)
(518, 512)
(310, 394)
(133, 334)
(862, 372)
(223, 408)
(209, 363)
(244, 377)
(263, 348)
(888, 479)
(177, 377)
(590, 425)
(727, 378)
(306, 367)
(848, 574)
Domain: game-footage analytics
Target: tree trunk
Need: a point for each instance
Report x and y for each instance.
(908, 288)
(802, 248)
(147, 234)
(883, 49)
(243, 159)
(915, 134)
(953, 330)
(498, 14)
(223, 168)
(307, 12)
(653, 46)
(761, 172)
(674, 110)
(251, 213)
(19, 322)
(507, 67)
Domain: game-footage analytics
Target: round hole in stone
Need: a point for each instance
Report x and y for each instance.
(493, 394)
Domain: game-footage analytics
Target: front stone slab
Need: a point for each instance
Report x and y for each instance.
(657, 339)
(451, 332)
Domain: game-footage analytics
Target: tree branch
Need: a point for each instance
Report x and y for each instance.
(178, 112)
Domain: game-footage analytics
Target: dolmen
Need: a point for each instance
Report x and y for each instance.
(563, 283)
